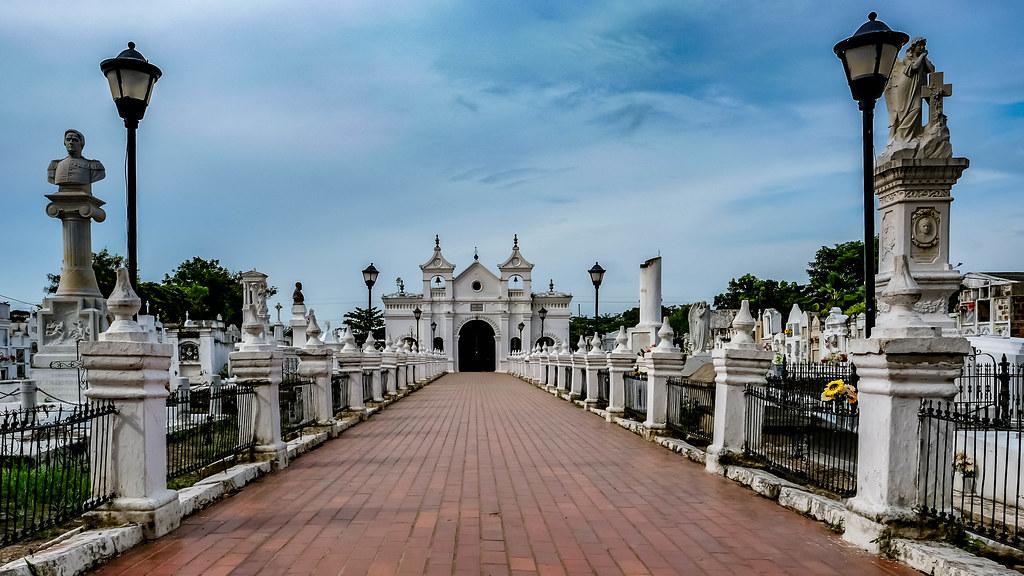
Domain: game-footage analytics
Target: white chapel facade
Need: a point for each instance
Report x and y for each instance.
(474, 316)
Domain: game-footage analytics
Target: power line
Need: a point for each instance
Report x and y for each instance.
(19, 301)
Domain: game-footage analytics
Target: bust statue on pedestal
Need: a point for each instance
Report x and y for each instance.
(74, 170)
(78, 311)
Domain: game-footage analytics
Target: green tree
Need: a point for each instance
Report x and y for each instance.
(362, 320)
(762, 294)
(204, 288)
(836, 276)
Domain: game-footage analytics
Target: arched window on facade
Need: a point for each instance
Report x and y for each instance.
(439, 344)
(515, 344)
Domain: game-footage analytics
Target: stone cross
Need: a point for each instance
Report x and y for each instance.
(934, 91)
(278, 307)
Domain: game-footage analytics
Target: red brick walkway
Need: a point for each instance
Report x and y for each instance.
(485, 474)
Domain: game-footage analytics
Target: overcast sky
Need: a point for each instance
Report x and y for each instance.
(307, 139)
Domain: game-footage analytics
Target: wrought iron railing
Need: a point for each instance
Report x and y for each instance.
(987, 385)
(367, 386)
(385, 376)
(971, 469)
(604, 385)
(635, 402)
(297, 408)
(53, 466)
(801, 437)
(207, 425)
(583, 384)
(567, 379)
(691, 409)
(290, 369)
(339, 392)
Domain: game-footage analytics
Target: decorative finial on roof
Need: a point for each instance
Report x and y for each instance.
(551, 285)
(437, 241)
(515, 241)
(476, 255)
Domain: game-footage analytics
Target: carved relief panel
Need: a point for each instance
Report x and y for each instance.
(925, 226)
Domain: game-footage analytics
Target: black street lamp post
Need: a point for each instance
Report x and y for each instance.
(521, 326)
(131, 78)
(417, 313)
(596, 276)
(433, 329)
(370, 277)
(543, 313)
(868, 58)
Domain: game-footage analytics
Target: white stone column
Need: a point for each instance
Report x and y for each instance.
(132, 373)
(388, 362)
(315, 364)
(350, 362)
(596, 360)
(620, 361)
(402, 364)
(737, 364)
(579, 365)
(665, 361)
(905, 360)
(299, 324)
(372, 361)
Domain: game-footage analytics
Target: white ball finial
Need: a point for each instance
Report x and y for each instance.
(742, 327)
(371, 344)
(349, 341)
(665, 336)
(595, 345)
(312, 331)
(581, 345)
(622, 340)
(124, 303)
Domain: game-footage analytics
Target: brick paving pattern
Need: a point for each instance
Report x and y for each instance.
(483, 474)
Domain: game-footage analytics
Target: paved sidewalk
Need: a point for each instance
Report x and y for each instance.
(483, 474)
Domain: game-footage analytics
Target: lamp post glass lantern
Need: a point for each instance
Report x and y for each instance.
(868, 58)
(543, 313)
(370, 278)
(596, 276)
(131, 79)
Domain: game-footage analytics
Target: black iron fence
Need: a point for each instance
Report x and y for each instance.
(339, 392)
(987, 385)
(691, 409)
(971, 469)
(583, 384)
(207, 425)
(635, 404)
(604, 384)
(567, 379)
(367, 387)
(297, 408)
(800, 436)
(53, 464)
(385, 376)
(290, 369)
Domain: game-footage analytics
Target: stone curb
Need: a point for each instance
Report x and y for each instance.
(941, 559)
(91, 548)
(77, 555)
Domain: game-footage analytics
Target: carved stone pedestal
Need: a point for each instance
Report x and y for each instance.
(914, 200)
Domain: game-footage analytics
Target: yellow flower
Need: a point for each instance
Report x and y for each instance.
(851, 395)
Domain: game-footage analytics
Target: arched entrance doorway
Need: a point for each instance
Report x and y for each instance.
(476, 347)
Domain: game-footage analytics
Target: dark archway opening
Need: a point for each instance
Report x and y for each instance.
(545, 341)
(476, 347)
(515, 345)
(439, 344)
